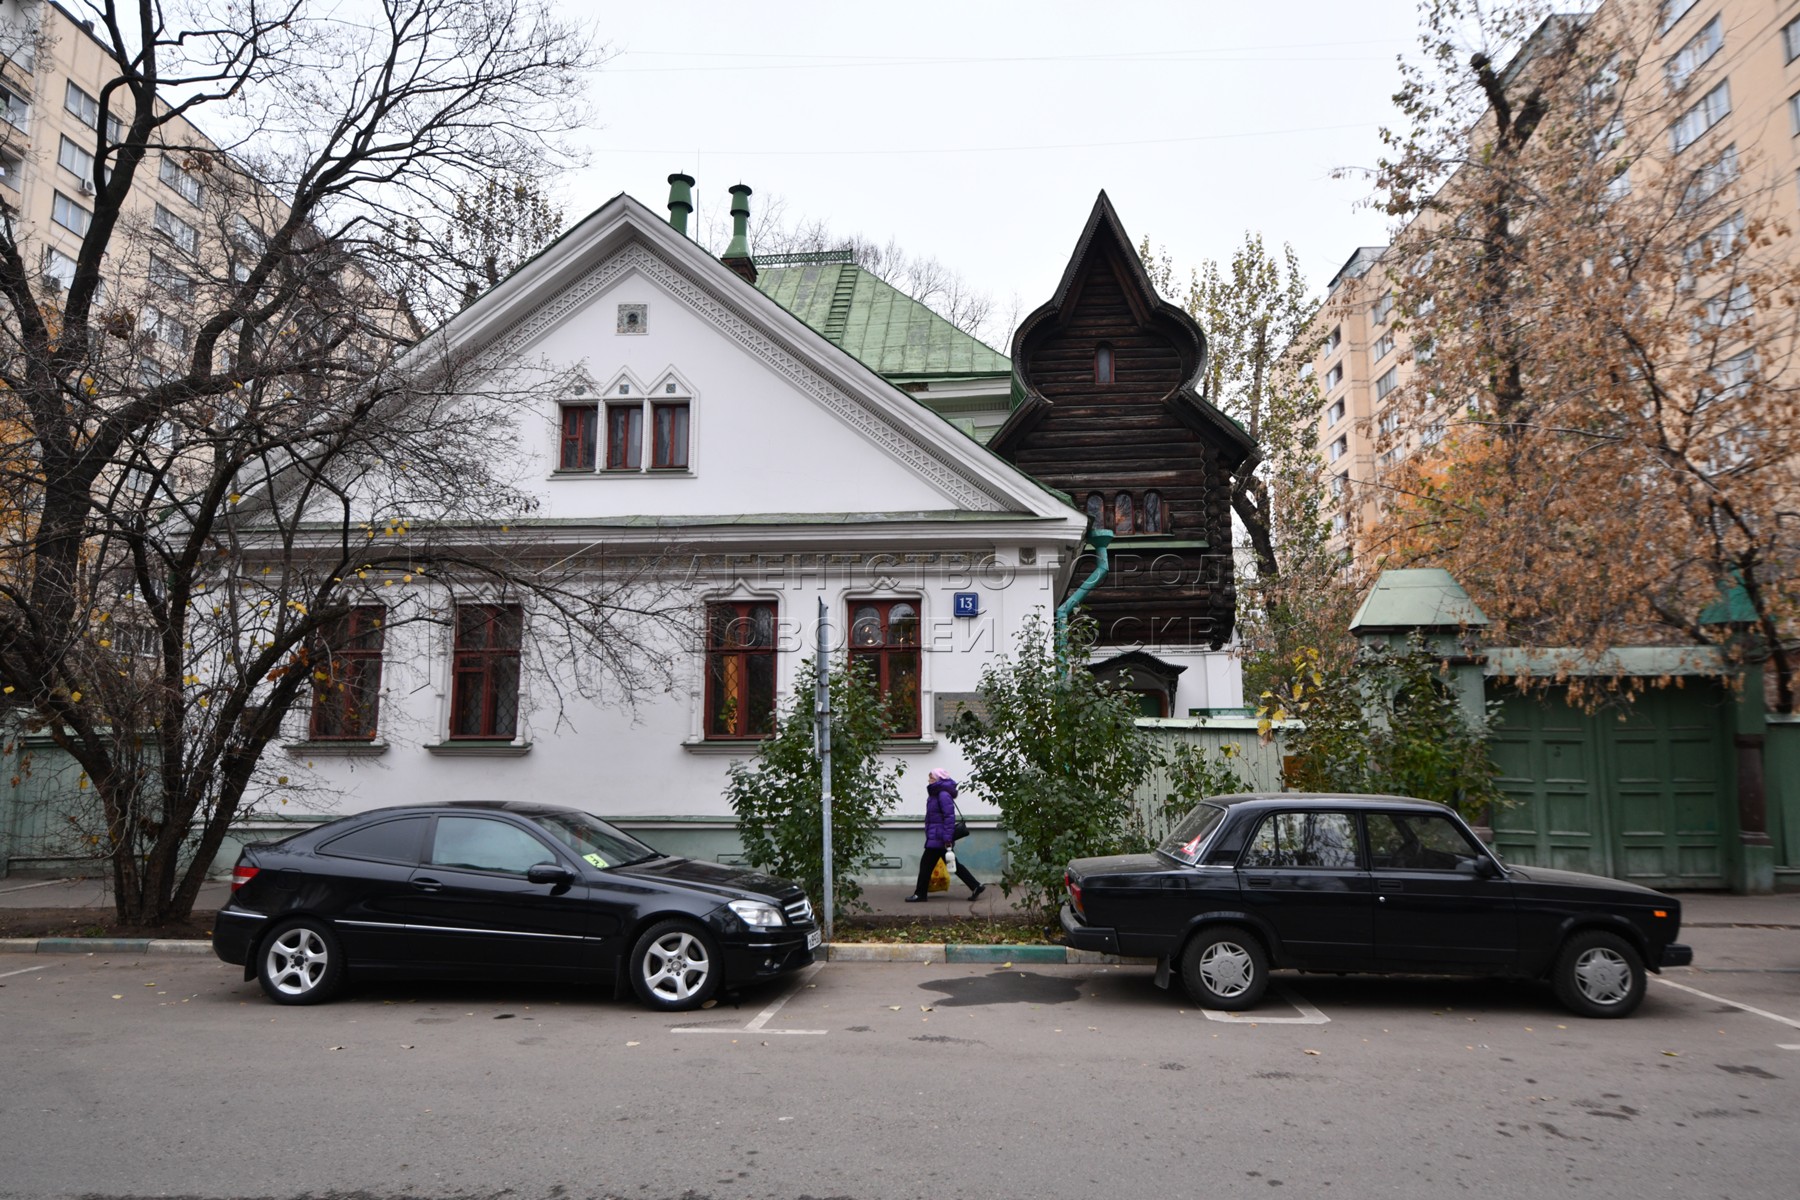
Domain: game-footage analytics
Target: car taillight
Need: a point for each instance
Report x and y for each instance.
(240, 875)
(1074, 892)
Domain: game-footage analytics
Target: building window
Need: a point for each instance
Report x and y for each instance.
(1695, 54)
(1384, 346)
(1387, 383)
(70, 215)
(59, 268)
(884, 636)
(1334, 339)
(1153, 519)
(1122, 523)
(1340, 486)
(170, 331)
(669, 436)
(624, 437)
(175, 229)
(11, 168)
(346, 676)
(1382, 307)
(1708, 111)
(1096, 510)
(1673, 11)
(579, 422)
(1335, 414)
(484, 687)
(1390, 421)
(164, 275)
(1340, 447)
(1103, 363)
(75, 160)
(1710, 179)
(740, 670)
(87, 111)
(180, 180)
(13, 109)
(1334, 377)
(1790, 40)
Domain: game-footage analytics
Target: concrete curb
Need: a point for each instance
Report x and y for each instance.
(950, 952)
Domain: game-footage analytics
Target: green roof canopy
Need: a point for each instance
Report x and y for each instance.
(877, 324)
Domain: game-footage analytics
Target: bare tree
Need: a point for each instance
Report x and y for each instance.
(218, 445)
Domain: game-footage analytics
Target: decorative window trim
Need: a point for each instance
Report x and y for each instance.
(625, 392)
(882, 654)
(743, 602)
(633, 319)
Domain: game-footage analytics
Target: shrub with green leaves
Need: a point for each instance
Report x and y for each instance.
(778, 800)
(1059, 753)
(1388, 725)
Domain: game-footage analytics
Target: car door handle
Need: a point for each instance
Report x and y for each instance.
(1258, 881)
(1389, 885)
(427, 885)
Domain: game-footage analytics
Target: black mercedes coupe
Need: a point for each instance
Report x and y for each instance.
(503, 890)
(1248, 884)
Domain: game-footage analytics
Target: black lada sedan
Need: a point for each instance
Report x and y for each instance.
(1247, 884)
(510, 890)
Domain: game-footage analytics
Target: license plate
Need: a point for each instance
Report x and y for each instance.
(813, 939)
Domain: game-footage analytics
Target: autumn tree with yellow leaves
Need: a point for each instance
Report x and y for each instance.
(1601, 427)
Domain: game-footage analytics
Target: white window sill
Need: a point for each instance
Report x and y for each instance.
(742, 747)
(336, 749)
(653, 473)
(910, 746)
(479, 748)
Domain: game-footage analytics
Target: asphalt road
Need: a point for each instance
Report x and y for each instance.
(152, 1076)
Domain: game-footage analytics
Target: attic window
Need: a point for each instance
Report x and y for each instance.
(634, 318)
(1103, 363)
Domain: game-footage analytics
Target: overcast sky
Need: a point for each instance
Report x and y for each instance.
(980, 131)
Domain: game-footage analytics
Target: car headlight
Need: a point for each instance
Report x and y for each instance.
(756, 913)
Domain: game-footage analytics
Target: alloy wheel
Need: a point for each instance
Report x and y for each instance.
(676, 966)
(297, 961)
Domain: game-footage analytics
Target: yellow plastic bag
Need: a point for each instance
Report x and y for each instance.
(940, 878)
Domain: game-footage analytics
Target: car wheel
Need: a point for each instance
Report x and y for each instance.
(1225, 968)
(300, 963)
(1599, 975)
(675, 966)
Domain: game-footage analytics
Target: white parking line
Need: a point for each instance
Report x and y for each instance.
(1734, 1003)
(1787, 1045)
(23, 970)
(766, 1015)
(1308, 1014)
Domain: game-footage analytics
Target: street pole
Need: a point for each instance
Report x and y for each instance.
(822, 732)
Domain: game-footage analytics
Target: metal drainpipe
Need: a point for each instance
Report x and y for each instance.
(1100, 539)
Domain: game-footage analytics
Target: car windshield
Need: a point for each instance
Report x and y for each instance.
(593, 840)
(1184, 841)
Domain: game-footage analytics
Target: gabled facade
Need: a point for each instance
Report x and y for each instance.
(1107, 410)
(692, 421)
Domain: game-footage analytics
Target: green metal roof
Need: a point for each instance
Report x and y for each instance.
(1418, 598)
(877, 324)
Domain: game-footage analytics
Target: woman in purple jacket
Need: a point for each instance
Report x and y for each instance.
(940, 830)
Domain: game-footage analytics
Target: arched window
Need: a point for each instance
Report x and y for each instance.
(1103, 363)
(1096, 510)
(1155, 520)
(1122, 514)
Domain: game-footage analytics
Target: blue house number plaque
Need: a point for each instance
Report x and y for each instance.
(968, 604)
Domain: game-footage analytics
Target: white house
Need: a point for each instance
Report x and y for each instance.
(698, 425)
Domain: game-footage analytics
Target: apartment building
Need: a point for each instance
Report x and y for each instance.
(1729, 117)
(188, 214)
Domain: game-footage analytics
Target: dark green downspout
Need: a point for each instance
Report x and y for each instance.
(1100, 539)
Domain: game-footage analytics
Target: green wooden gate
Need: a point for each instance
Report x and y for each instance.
(1642, 793)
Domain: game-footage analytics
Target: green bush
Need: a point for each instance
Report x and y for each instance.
(1059, 753)
(778, 801)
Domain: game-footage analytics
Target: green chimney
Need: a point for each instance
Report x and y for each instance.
(737, 255)
(681, 201)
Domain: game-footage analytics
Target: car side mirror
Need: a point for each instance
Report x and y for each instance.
(1486, 868)
(546, 872)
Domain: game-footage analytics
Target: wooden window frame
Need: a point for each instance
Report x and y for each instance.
(346, 671)
(883, 655)
(633, 444)
(474, 666)
(726, 652)
(671, 461)
(1106, 363)
(583, 443)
